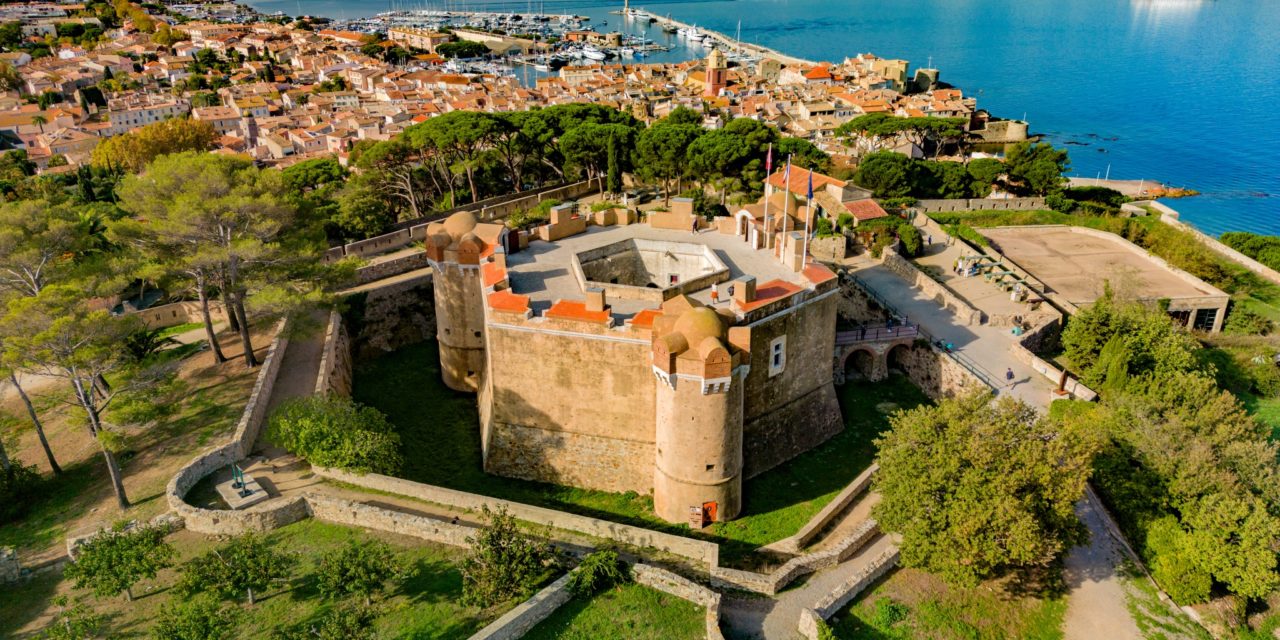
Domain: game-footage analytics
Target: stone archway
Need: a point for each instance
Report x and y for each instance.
(860, 364)
(898, 358)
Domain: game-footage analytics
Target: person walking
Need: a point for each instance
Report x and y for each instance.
(715, 293)
(1008, 375)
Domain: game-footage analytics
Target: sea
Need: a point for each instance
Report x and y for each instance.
(1184, 92)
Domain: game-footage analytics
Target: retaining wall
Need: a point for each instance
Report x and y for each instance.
(1026, 356)
(1170, 217)
(529, 613)
(685, 589)
(965, 313)
(772, 583)
(335, 360)
(701, 551)
(828, 513)
(357, 514)
(979, 204)
(393, 267)
(175, 313)
(842, 594)
(262, 517)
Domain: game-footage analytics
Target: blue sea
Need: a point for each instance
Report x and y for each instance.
(1180, 91)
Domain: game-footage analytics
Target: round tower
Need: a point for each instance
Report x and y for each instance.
(453, 250)
(698, 435)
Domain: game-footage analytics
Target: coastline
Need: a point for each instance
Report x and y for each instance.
(752, 47)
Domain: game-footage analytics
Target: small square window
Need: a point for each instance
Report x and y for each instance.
(777, 355)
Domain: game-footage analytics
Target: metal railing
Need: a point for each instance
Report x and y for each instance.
(944, 346)
(877, 333)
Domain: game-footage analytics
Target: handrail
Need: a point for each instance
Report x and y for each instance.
(963, 360)
(872, 334)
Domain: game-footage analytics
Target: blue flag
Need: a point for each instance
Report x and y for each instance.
(810, 196)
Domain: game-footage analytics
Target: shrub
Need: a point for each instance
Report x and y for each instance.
(967, 233)
(1246, 321)
(1059, 202)
(244, 565)
(845, 221)
(912, 243)
(114, 560)
(898, 203)
(888, 613)
(1173, 565)
(77, 622)
(19, 489)
(346, 622)
(1109, 198)
(823, 228)
(878, 246)
(199, 619)
(335, 432)
(534, 216)
(357, 569)
(505, 562)
(597, 572)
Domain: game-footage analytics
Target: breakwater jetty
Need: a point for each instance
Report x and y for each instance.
(745, 47)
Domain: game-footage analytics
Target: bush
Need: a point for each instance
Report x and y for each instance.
(19, 489)
(199, 619)
(1059, 202)
(823, 228)
(845, 221)
(346, 622)
(878, 246)
(597, 572)
(505, 562)
(1172, 564)
(888, 613)
(1109, 198)
(912, 243)
(967, 233)
(898, 203)
(243, 566)
(114, 560)
(357, 569)
(1246, 321)
(335, 432)
(533, 217)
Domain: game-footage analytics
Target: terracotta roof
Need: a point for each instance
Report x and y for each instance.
(799, 181)
(817, 273)
(576, 310)
(508, 302)
(867, 209)
(644, 319)
(491, 274)
(771, 291)
(820, 72)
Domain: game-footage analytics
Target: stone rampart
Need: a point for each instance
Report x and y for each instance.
(388, 317)
(812, 619)
(168, 315)
(964, 312)
(529, 613)
(391, 267)
(980, 204)
(701, 551)
(356, 514)
(937, 374)
(335, 374)
(685, 589)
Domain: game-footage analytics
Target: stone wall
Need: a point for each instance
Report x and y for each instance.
(845, 592)
(979, 204)
(685, 589)
(517, 622)
(335, 359)
(936, 373)
(832, 249)
(168, 315)
(793, 428)
(707, 553)
(365, 516)
(604, 439)
(800, 539)
(393, 267)
(964, 312)
(778, 579)
(10, 569)
(1170, 217)
(856, 307)
(263, 517)
(386, 318)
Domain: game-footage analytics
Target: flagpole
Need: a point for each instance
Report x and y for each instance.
(808, 214)
(768, 173)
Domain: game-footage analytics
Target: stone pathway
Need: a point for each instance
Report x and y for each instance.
(1097, 601)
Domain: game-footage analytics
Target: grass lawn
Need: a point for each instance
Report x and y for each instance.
(424, 607)
(181, 328)
(626, 612)
(911, 604)
(441, 440)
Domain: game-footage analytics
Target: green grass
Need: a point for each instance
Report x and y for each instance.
(180, 328)
(1154, 618)
(626, 612)
(441, 445)
(424, 607)
(911, 604)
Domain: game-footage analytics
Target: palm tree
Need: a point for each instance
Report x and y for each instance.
(39, 120)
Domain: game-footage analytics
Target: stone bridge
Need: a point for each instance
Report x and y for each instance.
(868, 349)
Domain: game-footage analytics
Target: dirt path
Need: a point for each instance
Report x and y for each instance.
(1097, 604)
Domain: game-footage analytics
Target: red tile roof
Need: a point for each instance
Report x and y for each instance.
(818, 273)
(576, 310)
(644, 319)
(491, 274)
(508, 302)
(820, 72)
(867, 209)
(771, 291)
(799, 180)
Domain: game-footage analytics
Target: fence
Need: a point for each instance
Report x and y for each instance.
(876, 334)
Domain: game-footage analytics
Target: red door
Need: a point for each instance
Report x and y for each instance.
(708, 512)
